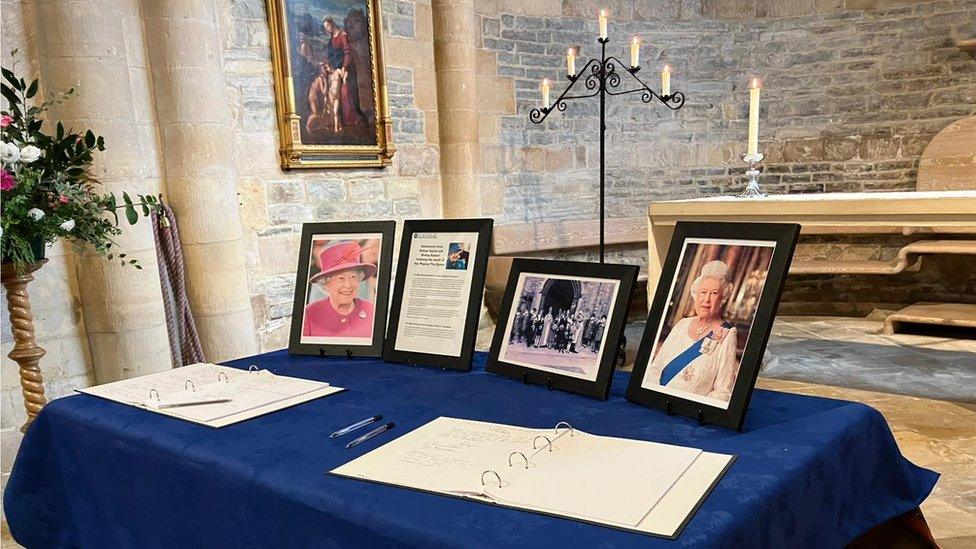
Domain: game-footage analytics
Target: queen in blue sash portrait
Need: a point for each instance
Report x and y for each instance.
(699, 354)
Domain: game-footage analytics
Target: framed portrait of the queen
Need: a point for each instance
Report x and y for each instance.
(330, 92)
(708, 326)
(342, 289)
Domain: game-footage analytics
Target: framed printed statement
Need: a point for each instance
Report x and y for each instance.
(560, 324)
(330, 92)
(708, 326)
(341, 289)
(437, 300)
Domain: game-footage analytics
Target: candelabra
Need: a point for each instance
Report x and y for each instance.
(601, 77)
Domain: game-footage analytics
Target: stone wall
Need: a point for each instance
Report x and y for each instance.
(851, 96)
(273, 203)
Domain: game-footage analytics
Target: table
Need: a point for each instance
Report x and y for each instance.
(94, 473)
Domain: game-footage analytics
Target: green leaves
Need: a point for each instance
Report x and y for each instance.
(59, 183)
(130, 212)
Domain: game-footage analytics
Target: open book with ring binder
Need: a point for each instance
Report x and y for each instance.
(213, 395)
(634, 485)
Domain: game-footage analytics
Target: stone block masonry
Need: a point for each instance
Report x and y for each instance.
(851, 96)
(274, 204)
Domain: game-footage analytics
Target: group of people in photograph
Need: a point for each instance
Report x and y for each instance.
(561, 331)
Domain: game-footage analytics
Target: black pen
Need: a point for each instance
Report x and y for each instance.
(355, 426)
(377, 431)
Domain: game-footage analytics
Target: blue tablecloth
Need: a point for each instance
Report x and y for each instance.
(811, 472)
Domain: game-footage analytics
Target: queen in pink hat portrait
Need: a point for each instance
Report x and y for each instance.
(343, 276)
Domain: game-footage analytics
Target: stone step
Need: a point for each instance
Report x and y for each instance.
(901, 263)
(939, 314)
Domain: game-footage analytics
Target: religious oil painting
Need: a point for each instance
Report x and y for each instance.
(329, 83)
(340, 294)
(711, 306)
(559, 324)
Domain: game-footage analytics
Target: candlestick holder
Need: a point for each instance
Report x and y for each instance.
(602, 77)
(753, 188)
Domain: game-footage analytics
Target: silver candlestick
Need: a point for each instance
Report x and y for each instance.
(753, 188)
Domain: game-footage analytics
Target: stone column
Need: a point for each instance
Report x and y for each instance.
(196, 133)
(96, 47)
(455, 47)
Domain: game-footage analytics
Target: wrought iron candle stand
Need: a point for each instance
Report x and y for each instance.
(604, 79)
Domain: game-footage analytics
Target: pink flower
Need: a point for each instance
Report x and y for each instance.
(6, 181)
(63, 199)
(5, 121)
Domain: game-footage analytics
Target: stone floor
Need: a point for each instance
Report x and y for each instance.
(911, 379)
(855, 353)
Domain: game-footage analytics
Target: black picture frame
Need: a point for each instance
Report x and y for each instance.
(416, 227)
(347, 350)
(784, 236)
(624, 275)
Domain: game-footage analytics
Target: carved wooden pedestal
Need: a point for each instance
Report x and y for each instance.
(25, 353)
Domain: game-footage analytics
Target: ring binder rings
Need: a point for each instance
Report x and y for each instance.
(223, 375)
(485, 472)
(548, 442)
(253, 368)
(568, 426)
(189, 385)
(151, 391)
(518, 454)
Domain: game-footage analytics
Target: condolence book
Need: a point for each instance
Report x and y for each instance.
(633, 485)
(213, 395)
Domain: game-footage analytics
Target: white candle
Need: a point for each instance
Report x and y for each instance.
(545, 93)
(635, 53)
(571, 61)
(754, 89)
(603, 24)
(666, 80)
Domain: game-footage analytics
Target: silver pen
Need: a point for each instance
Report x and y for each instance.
(355, 426)
(377, 431)
(180, 404)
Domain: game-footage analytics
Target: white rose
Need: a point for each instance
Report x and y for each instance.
(29, 154)
(68, 225)
(35, 213)
(9, 152)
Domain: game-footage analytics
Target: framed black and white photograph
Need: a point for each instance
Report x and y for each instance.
(342, 289)
(710, 320)
(440, 282)
(560, 324)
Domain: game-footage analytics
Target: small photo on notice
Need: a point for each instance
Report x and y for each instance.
(458, 255)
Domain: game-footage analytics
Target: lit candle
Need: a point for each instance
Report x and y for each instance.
(571, 61)
(545, 93)
(635, 53)
(754, 88)
(603, 24)
(666, 80)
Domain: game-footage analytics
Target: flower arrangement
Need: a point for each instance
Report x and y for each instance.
(46, 190)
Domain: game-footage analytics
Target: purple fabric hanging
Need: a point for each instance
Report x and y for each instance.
(184, 342)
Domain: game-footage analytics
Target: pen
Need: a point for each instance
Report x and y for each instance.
(355, 426)
(377, 431)
(162, 405)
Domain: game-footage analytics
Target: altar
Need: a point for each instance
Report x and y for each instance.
(939, 222)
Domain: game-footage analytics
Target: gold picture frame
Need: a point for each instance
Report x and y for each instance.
(340, 121)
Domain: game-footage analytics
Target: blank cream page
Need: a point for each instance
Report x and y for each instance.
(605, 479)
